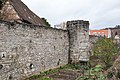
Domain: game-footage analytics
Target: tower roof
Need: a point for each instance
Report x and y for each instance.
(25, 14)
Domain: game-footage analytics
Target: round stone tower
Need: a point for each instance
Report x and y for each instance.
(78, 40)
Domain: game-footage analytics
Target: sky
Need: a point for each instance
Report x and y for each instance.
(100, 13)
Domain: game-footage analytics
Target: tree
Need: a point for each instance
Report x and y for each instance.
(105, 49)
(46, 23)
(117, 26)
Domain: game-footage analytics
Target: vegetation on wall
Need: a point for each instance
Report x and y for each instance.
(46, 22)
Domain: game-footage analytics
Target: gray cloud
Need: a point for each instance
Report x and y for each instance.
(100, 13)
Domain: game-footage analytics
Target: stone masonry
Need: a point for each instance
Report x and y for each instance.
(78, 40)
(29, 49)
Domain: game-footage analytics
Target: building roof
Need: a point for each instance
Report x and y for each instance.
(25, 13)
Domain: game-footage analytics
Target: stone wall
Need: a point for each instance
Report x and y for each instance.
(114, 32)
(79, 40)
(28, 49)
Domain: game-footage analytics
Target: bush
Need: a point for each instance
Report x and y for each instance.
(95, 73)
(105, 49)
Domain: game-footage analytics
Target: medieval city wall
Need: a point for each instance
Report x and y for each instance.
(28, 49)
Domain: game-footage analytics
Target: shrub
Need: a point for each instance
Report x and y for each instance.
(105, 49)
(95, 73)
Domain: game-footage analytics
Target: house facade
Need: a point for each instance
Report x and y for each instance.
(103, 33)
(113, 33)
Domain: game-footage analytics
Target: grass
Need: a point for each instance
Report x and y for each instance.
(51, 71)
(42, 74)
(44, 78)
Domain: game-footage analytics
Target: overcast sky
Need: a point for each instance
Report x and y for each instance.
(100, 13)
